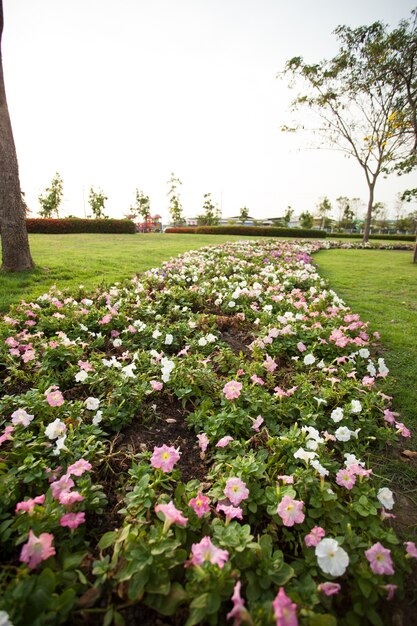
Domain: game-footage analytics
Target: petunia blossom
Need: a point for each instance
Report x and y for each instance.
(232, 389)
(236, 490)
(285, 611)
(205, 550)
(314, 537)
(238, 613)
(37, 549)
(55, 398)
(290, 511)
(200, 504)
(28, 506)
(164, 457)
(21, 417)
(329, 589)
(78, 468)
(411, 549)
(203, 441)
(345, 478)
(72, 520)
(331, 557)
(386, 498)
(172, 515)
(224, 441)
(380, 559)
(55, 429)
(230, 511)
(257, 423)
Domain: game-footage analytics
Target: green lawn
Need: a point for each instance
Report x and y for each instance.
(381, 285)
(71, 260)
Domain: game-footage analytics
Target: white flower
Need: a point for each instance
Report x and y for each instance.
(304, 455)
(92, 403)
(21, 417)
(319, 467)
(192, 324)
(156, 333)
(55, 429)
(383, 369)
(202, 341)
(385, 496)
(168, 339)
(309, 359)
(81, 376)
(60, 445)
(343, 433)
(356, 406)
(371, 369)
(320, 400)
(4, 617)
(364, 353)
(232, 304)
(127, 371)
(321, 364)
(337, 414)
(332, 559)
(97, 418)
(211, 338)
(352, 460)
(117, 342)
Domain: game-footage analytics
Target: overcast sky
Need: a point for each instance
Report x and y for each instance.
(117, 95)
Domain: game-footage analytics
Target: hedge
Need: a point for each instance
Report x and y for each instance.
(259, 231)
(372, 236)
(75, 225)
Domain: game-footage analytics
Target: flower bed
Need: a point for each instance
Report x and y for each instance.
(193, 444)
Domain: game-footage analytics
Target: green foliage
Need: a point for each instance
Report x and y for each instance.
(175, 206)
(96, 200)
(211, 212)
(52, 198)
(142, 206)
(243, 214)
(258, 231)
(306, 219)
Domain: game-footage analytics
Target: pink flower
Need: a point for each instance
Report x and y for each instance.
(301, 347)
(21, 417)
(402, 429)
(70, 497)
(290, 511)
(86, 365)
(6, 436)
(230, 511)
(203, 441)
(257, 380)
(380, 559)
(329, 589)
(411, 549)
(269, 364)
(345, 478)
(257, 423)
(156, 385)
(314, 537)
(200, 504)
(224, 441)
(285, 611)
(28, 506)
(240, 372)
(37, 549)
(172, 515)
(280, 393)
(232, 389)
(236, 490)
(389, 416)
(55, 398)
(238, 612)
(65, 483)
(165, 457)
(72, 520)
(391, 589)
(78, 468)
(207, 551)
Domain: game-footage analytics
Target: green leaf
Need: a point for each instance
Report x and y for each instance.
(107, 540)
(167, 605)
(325, 619)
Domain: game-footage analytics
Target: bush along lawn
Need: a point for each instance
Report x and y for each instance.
(190, 444)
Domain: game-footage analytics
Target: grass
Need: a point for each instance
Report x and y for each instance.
(381, 285)
(90, 259)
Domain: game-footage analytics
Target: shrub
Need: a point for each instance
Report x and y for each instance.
(76, 225)
(259, 231)
(371, 236)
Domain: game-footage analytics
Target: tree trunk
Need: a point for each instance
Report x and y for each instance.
(14, 239)
(368, 218)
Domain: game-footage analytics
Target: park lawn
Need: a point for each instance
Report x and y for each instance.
(91, 259)
(381, 285)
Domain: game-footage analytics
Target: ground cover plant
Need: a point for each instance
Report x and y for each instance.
(191, 443)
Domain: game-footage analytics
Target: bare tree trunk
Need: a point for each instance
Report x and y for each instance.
(14, 239)
(368, 218)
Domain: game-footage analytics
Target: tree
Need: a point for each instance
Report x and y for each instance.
(357, 107)
(306, 219)
(51, 198)
(96, 200)
(323, 207)
(288, 215)
(175, 206)
(243, 214)
(14, 239)
(211, 212)
(142, 207)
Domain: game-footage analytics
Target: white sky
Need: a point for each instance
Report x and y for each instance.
(119, 94)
